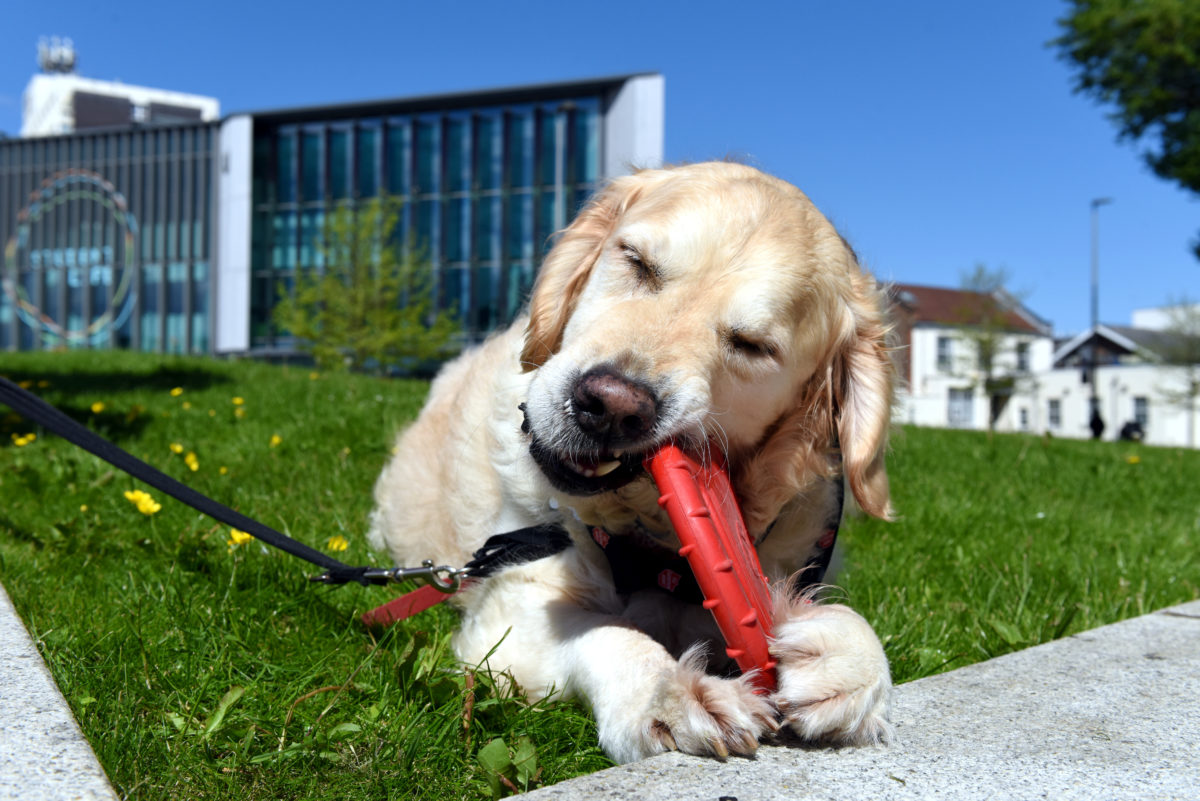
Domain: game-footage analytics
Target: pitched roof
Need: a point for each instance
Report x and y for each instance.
(1157, 345)
(959, 307)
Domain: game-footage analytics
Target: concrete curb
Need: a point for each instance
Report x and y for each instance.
(43, 754)
(1112, 713)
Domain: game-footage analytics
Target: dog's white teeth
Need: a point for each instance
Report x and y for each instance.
(604, 468)
(618, 454)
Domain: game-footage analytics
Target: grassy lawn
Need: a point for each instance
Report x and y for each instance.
(204, 669)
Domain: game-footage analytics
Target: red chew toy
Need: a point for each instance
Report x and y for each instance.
(704, 511)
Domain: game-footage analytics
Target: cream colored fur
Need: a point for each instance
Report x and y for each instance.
(763, 338)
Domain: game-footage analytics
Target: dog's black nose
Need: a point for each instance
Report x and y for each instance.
(611, 408)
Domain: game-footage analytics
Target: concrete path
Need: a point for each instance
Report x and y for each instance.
(1112, 713)
(43, 756)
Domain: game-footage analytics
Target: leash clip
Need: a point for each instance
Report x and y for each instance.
(442, 578)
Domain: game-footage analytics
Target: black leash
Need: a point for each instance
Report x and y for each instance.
(36, 410)
(514, 547)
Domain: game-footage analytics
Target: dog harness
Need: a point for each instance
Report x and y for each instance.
(639, 561)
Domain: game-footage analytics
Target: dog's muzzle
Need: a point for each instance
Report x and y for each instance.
(612, 418)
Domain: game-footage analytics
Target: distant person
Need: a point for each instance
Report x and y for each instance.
(1132, 431)
(1097, 425)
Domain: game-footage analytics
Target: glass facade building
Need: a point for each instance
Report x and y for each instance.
(482, 189)
(178, 238)
(108, 239)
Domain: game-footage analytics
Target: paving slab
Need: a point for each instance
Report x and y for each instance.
(43, 754)
(1111, 713)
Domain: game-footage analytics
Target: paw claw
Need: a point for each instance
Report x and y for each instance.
(662, 733)
(718, 748)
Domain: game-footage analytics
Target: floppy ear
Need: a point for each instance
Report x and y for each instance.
(566, 269)
(862, 386)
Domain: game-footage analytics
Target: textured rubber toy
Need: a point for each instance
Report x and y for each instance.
(704, 511)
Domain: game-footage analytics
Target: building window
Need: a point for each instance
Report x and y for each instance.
(285, 175)
(339, 164)
(311, 173)
(1055, 413)
(1024, 415)
(960, 412)
(1023, 357)
(368, 162)
(399, 157)
(944, 361)
(1141, 411)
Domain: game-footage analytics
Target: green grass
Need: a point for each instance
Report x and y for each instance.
(1010, 541)
(202, 670)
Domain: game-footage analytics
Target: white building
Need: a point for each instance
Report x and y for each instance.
(942, 383)
(1038, 387)
(58, 101)
(1139, 389)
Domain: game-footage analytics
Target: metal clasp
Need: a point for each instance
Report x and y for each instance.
(442, 578)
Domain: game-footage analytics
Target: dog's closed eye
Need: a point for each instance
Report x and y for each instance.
(645, 270)
(749, 344)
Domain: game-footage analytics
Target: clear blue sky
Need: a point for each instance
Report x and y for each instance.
(936, 135)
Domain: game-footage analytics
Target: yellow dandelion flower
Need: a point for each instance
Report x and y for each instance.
(144, 502)
(191, 461)
(21, 440)
(222, 469)
(275, 440)
(43, 384)
(337, 543)
(239, 412)
(238, 537)
(83, 507)
(212, 412)
(26, 384)
(187, 405)
(97, 407)
(313, 376)
(238, 401)
(1133, 458)
(176, 448)
(176, 392)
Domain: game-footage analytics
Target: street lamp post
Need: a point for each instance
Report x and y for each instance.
(1095, 421)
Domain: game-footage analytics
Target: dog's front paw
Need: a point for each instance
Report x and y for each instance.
(705, 715)
(833, 680)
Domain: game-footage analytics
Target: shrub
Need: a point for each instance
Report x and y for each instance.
(369, 304)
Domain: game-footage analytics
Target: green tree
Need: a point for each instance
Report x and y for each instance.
(986, 323)
(370, 304)
(1144, 57)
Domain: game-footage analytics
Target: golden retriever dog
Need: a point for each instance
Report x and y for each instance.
(714, 307)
